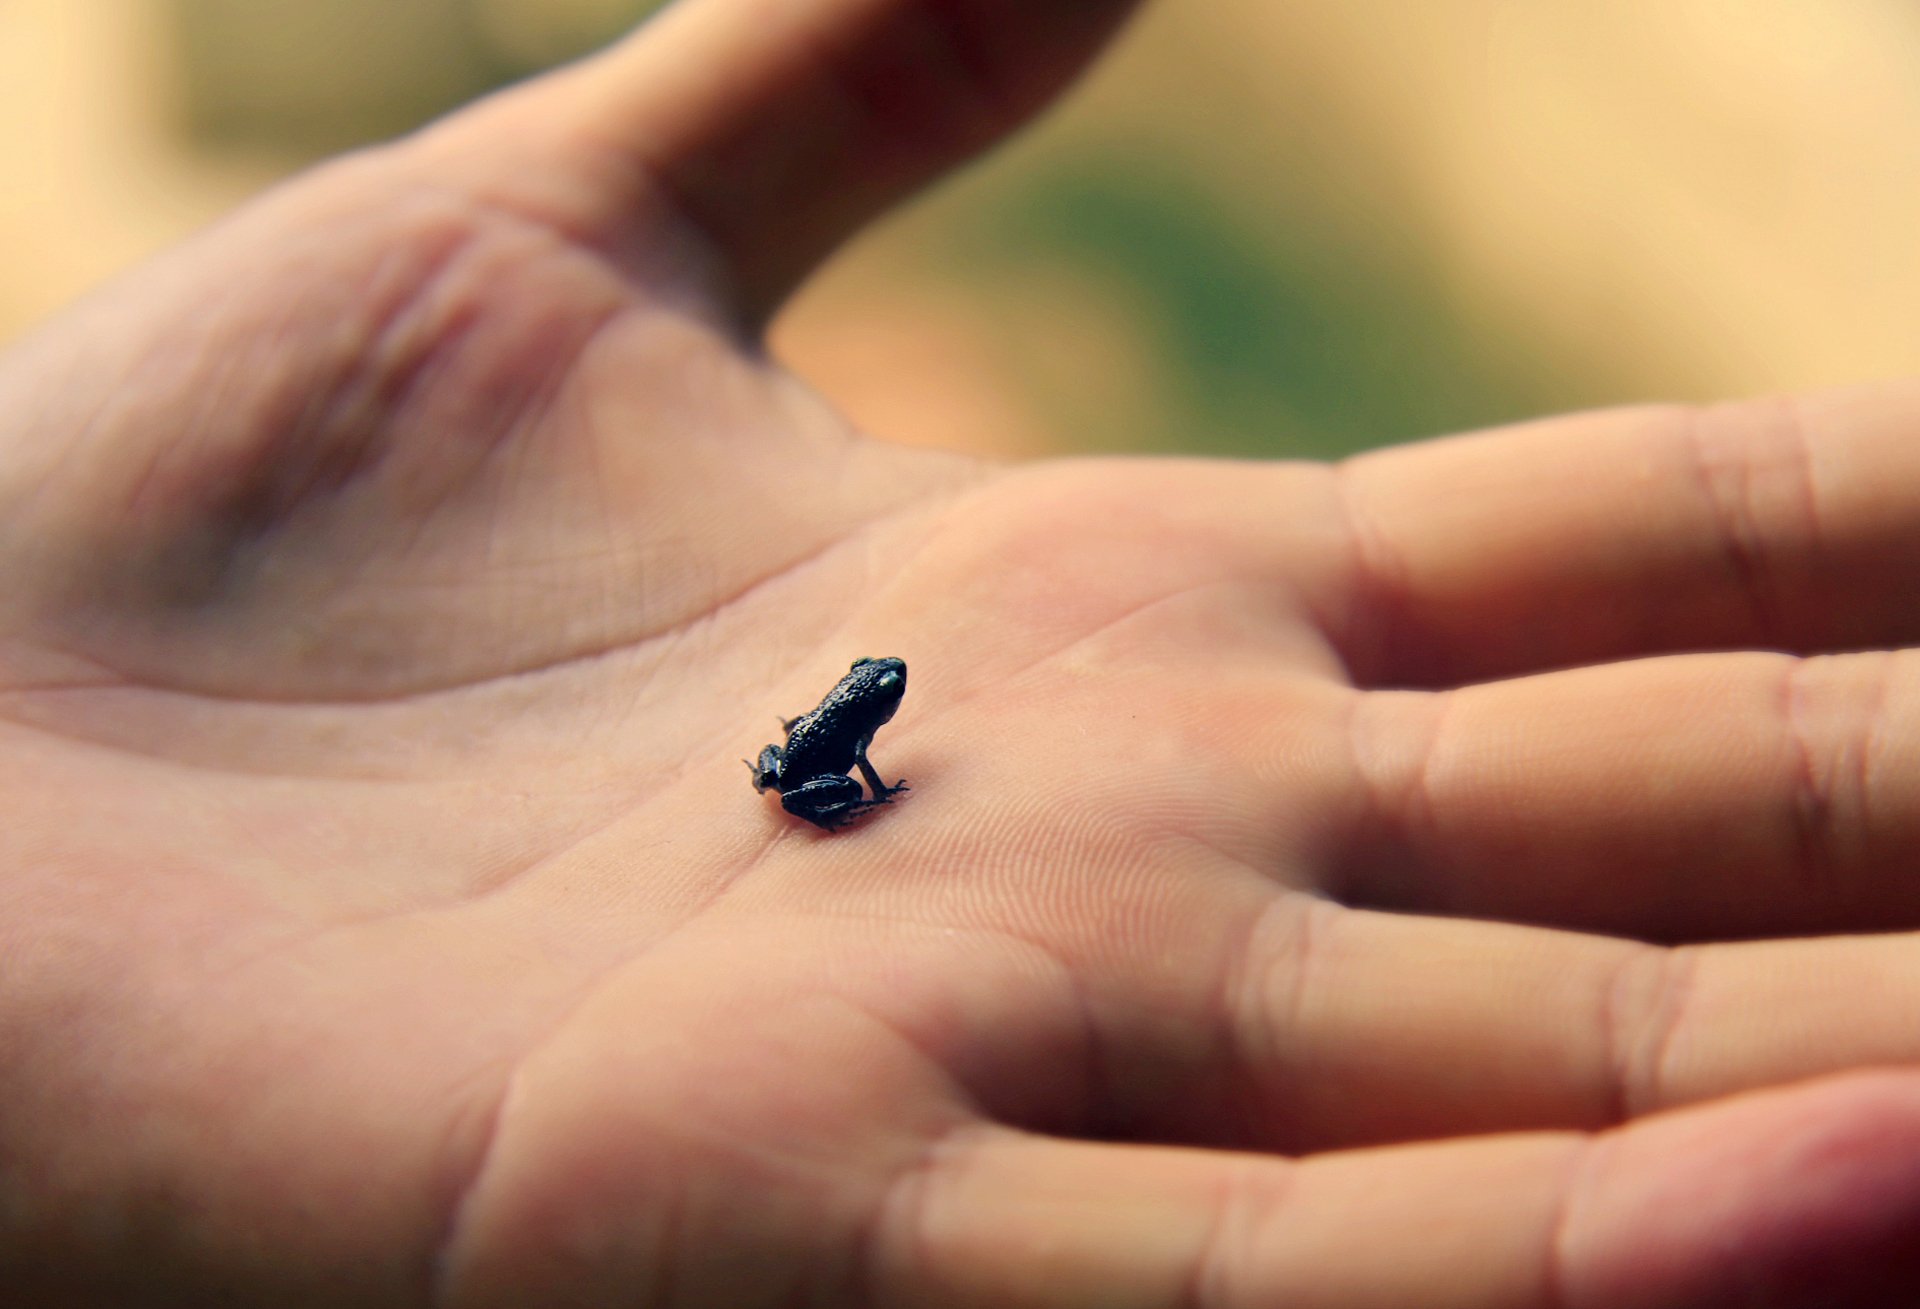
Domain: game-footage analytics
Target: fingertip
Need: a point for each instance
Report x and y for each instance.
(776, 130)
(1804, 1196)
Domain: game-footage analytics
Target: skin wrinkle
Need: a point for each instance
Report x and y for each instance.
(500, 886)
(1224, 1242)
(27, 499)
(1674, 992)
(396, 384)
(216, 368)
(1873, 742)
(1370, 814)
(1418, 823)
(266, 487)
(559, 371)
(1245, 1042)
(1812, 805)
(480, 891)
(966, 1098)
(409, 382)
(1264, 1032)
(1588, 1158)
(561, 663)
(1727, 488)
(606, 516)
(910, 1189)
(1069, 975)
(1624, 1027)
(533, 401)
(955, 703)
(1377, 589)
(229, 977)
(466, 1179)
(120, 750)
(713, 285)
(1799, 431)
(961, 1098)
(460, 1177)
(1831, 806)
(692, 286)
(463, 1197)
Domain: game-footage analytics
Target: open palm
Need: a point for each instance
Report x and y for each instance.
(397, 574)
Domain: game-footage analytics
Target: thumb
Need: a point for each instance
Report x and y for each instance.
(777, 128)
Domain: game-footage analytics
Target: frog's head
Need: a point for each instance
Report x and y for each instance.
(880, 683)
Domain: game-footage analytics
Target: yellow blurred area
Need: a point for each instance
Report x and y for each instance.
(1266, 226)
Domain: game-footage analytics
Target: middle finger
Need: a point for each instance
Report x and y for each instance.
(1684, 798)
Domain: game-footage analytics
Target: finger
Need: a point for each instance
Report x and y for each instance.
(778, 128)
(1789, 524)
(1687, 798)
(1345, 1028)
(1801, 1197)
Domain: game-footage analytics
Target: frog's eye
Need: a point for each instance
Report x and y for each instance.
(862, 663)
(887, 680)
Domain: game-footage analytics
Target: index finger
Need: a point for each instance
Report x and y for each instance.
(1789, 524)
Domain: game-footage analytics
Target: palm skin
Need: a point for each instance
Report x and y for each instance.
(398, 573)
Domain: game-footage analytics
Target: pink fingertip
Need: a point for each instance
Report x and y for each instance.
(1803, 1197)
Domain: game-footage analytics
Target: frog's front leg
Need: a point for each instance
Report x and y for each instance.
(882, 793)
(767, 772)
(825, 801)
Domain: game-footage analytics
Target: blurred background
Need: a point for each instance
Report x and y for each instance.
(1263, 227)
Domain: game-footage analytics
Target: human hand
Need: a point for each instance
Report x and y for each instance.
(396, 574)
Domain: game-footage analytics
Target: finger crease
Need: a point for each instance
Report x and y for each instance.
(1732, 483)
(1556, 1290)
(1257, 1034)
(1644, 1014)
(1813, 800)
(1367, 634)
(901, 1217)
(1245, 1186)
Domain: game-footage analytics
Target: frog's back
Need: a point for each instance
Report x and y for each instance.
(832, 738)
(820, 743)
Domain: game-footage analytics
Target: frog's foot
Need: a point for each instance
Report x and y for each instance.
(881, 791)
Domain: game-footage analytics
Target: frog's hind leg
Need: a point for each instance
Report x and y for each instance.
(827, 801)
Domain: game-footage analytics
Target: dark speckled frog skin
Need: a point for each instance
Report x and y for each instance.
(823, 745)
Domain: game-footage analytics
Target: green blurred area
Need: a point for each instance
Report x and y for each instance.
(1288, 334)
(1294, 338)
(312, 77)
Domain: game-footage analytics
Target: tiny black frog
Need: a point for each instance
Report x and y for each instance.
(811, 772)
